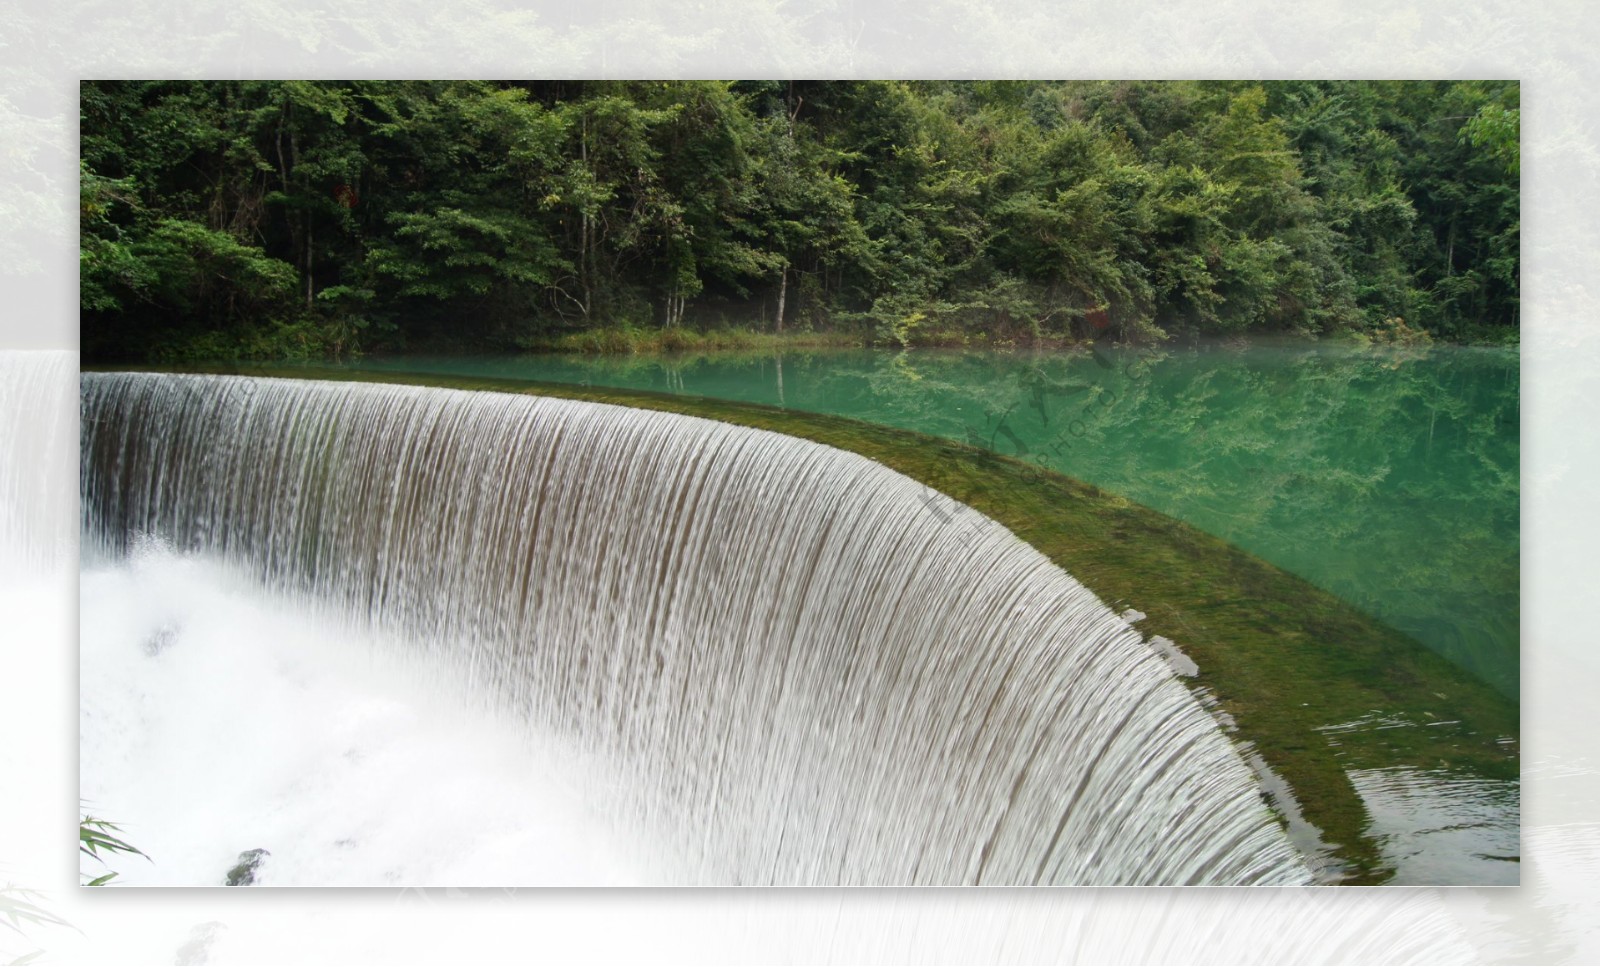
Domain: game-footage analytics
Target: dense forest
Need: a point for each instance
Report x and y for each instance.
(309, 218)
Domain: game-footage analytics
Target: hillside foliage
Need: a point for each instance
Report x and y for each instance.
(314, 218)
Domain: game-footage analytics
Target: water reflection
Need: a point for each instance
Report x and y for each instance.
(1387, 476)
(1441, 826)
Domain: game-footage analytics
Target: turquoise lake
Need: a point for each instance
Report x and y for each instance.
(1388, 476)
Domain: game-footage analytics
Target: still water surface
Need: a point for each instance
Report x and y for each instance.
(1387, 476)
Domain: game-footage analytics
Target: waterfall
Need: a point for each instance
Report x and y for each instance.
(808, 675)
(36, 453)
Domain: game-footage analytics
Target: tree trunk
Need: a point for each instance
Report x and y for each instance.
(305, 215)
(308, 261)
(296, 229)
(783, 288)
(584, 261)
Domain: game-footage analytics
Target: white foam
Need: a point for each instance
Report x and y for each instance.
(352, 760)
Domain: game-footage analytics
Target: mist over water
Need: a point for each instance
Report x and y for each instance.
(213, 720)
(800, 674)
(36, 453)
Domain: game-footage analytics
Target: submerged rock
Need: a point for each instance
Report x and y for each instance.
(160, 639)
(196, 950)
(244, 872)
(1180, 663)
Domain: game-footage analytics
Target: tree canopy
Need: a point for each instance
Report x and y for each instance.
(270, 219)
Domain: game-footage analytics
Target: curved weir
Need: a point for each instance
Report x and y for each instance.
(810, 672)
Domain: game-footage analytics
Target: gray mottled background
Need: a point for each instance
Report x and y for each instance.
(1551, 918)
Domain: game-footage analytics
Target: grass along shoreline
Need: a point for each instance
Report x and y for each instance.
(308, 343)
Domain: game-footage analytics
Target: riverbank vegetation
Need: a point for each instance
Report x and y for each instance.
(306, 219)
(97, 840)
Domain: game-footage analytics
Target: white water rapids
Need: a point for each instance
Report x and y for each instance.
(782, 665)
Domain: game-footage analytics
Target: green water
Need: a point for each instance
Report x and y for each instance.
(1387, 476)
